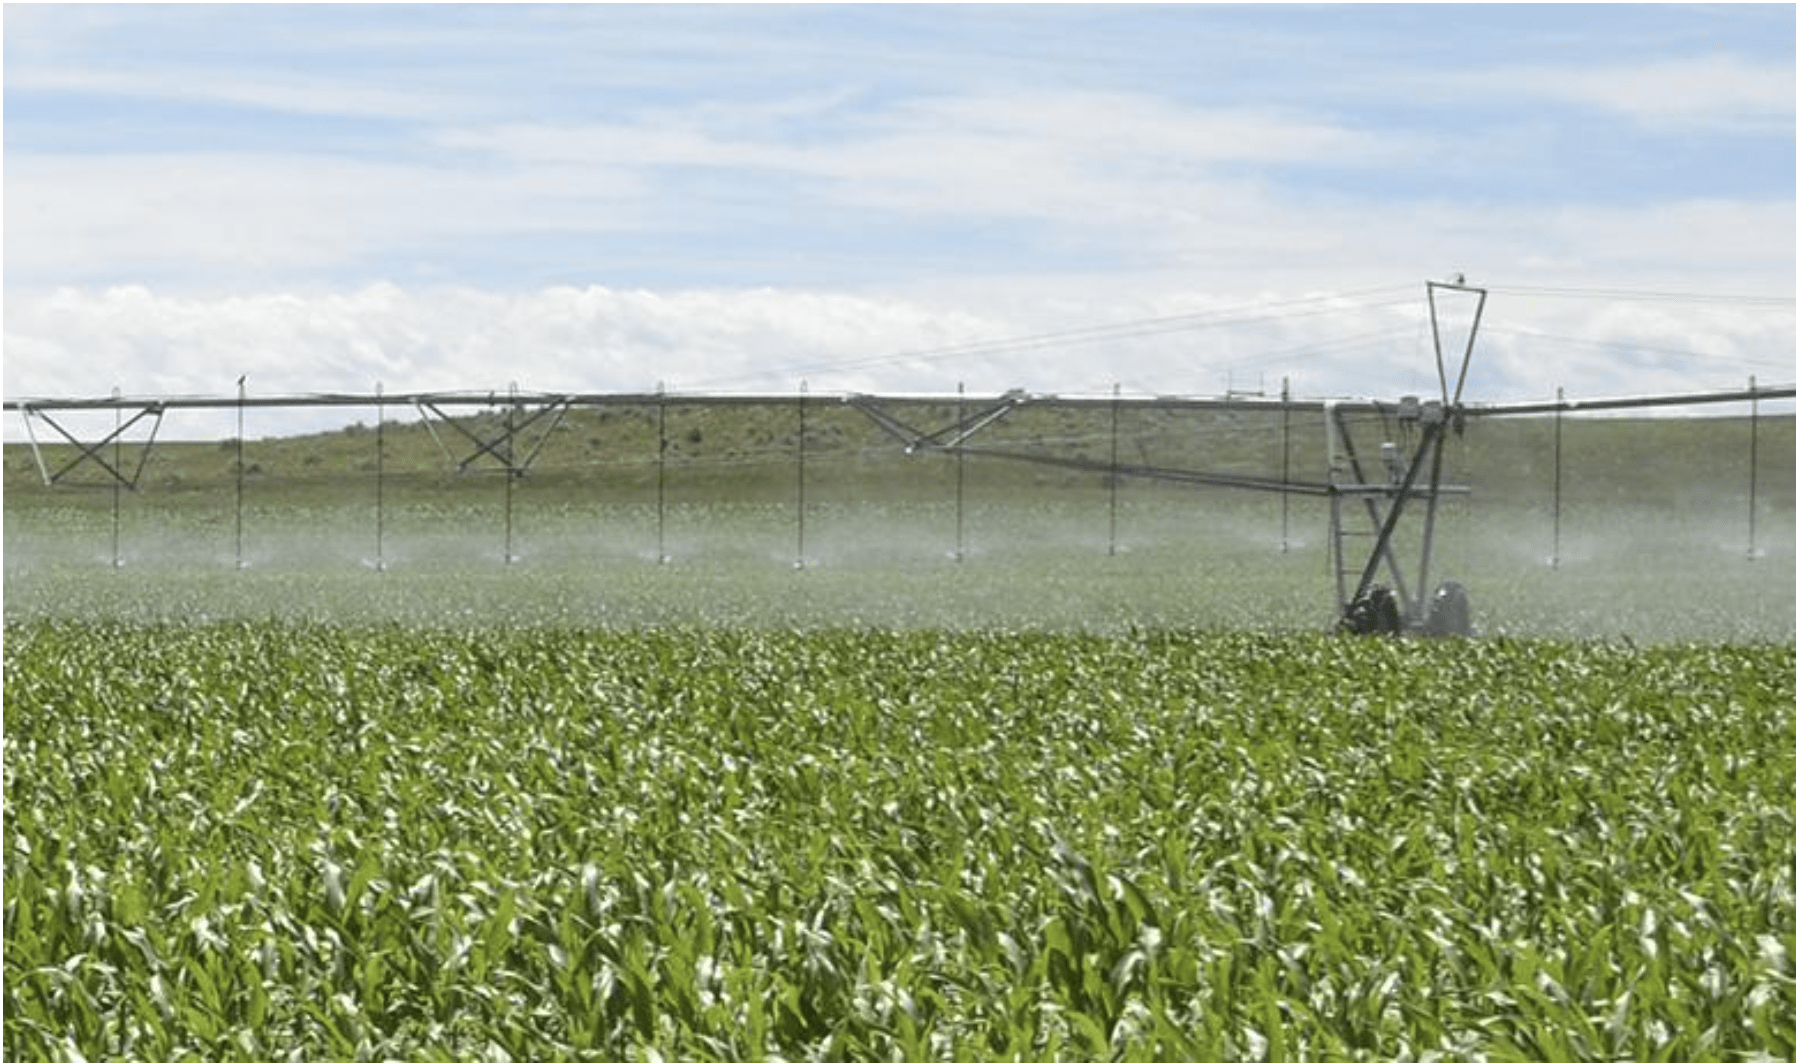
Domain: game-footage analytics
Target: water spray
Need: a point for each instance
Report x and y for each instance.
(1754, 425)
(118, 560)
(1554, 559)
(961, 400)
(662, 473)
(1285, 462)
(799, 550)
(510, 471)
(1112, 478)
(380, 481)
(240, 472)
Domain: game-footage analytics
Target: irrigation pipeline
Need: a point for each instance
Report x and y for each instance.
(496, 400)
(1577, 406)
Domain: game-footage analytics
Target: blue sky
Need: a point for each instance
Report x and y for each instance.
(604, 197)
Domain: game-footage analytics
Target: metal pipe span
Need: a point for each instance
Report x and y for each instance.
(595, 399)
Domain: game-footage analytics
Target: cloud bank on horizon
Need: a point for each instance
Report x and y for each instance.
(1166, 198)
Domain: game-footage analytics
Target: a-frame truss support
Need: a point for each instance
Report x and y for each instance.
(96, 452)
(503, 446)
(954, 439)
(948, 438)
(1384, 495)
(1408, 605)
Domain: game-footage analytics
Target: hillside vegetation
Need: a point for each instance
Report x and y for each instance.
(753, 452)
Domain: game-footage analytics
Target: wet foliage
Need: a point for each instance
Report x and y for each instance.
(294, 841)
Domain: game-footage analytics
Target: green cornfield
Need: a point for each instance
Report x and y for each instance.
(284, 840)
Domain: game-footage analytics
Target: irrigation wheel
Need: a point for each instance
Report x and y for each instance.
(1450, 612)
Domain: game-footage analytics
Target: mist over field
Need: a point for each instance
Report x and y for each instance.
(1649, 538)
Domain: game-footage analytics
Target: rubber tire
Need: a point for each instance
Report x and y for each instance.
(1374, 613)
(1450, 612)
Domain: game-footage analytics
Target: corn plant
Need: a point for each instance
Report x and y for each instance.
(291, 841)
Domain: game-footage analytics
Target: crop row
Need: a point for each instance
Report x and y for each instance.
(287, 841)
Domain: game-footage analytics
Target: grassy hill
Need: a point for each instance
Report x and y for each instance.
(734, 453)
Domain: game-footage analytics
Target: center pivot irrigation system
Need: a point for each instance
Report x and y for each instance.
(1381, 564)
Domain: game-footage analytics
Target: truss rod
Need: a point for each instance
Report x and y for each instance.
(1201, 478)
(1382, 546)
(947, 438)
(1146, 472)
(887, 423)
(507, 435)
(93, 453)
(1378, 519)
(37, 453)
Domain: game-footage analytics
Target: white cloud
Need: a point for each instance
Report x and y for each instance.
(1691, 245)
(234, 217)
(1108, 173)
(1063, 156)
(75, 342)
(86, 342)
(272, 91)
(1702, 92)
(1104, 124)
